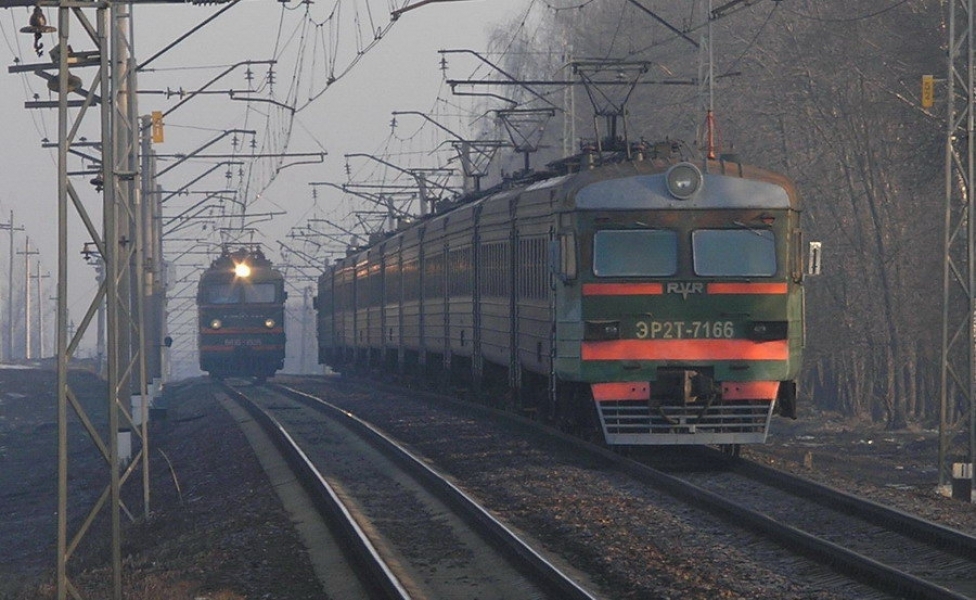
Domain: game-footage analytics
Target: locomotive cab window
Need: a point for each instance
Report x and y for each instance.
(259, 293)
(734, 252)
(635, 253)
(221, 294)
(255, 293)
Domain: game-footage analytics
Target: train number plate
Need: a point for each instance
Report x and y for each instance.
(679, 330)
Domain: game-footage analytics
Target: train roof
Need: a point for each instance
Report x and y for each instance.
(644, 185)
(634, 183)
(223, 266)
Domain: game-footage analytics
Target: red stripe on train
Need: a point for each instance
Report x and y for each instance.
(685, 350)
(622, 289)
(746, 288)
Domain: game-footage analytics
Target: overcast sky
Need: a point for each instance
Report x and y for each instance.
(401, 72)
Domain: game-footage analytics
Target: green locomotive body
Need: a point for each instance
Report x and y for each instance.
(659, 298)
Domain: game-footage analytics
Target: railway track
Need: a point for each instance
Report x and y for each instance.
(408, 532)
(890, 550)
(893, 552)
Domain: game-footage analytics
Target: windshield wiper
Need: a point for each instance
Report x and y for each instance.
(758, 232)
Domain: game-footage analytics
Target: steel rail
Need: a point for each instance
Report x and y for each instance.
(907, 524)
(381, 578)
(872, 572)
(878, 575)
(551, 577)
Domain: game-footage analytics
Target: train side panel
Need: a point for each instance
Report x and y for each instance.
(411, 313)
(434, 309)
(392, 294)
(324, 304)
(534, 311)
(461, 241)
(495, 305)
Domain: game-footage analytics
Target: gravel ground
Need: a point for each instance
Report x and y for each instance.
(634, 542)
(217, 530)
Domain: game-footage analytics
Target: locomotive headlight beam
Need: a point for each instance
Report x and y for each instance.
(216, 324)
(242, 270)
(269, 323)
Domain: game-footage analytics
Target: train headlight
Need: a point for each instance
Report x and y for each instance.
(242, 270)
(683, 180)
(216, 324)
(269, 323)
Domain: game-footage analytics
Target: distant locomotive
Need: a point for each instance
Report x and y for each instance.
(241, 316)
(655, 299)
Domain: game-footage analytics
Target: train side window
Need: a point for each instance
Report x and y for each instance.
(635, 253)
(562, 257)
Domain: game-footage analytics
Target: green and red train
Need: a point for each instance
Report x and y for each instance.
(656, 299)
(241, 316)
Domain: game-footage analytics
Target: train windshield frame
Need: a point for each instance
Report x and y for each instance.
(235, 293)
(734, 252)
(635, 253)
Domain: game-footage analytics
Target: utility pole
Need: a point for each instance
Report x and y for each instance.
(27, 297)
(40, 311)
(155, 275)
(8, 338)
(306, 295)
(104, 50)
(108, 97)
(958, 381)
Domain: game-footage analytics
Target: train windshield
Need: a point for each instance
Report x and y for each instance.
(635, 253)
(734, 252)
(226, 293)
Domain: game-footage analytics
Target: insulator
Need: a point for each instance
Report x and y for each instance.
(74, 82)
(38, 23)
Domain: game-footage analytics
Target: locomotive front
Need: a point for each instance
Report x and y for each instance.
(679, 301)
(240, 303)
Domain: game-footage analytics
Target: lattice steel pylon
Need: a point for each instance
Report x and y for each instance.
(958, 380)
(119, 245)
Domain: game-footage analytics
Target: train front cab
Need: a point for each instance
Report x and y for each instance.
(241, 325)
(682, 314)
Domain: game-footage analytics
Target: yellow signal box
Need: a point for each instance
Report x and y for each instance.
(928, 91)
(157, 127)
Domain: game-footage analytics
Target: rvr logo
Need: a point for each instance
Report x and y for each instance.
(684, 289)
